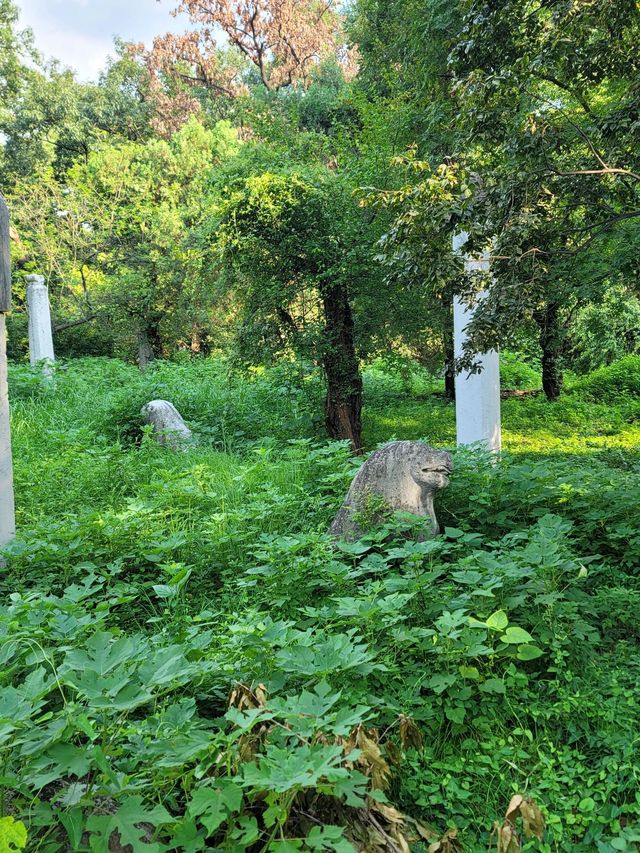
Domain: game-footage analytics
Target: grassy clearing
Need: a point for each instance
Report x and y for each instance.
(154, 594)
(530, 424)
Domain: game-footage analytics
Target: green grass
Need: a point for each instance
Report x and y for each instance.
(530, 424)
(214, 568)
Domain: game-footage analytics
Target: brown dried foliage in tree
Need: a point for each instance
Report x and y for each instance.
(283, 39)
(175, 65)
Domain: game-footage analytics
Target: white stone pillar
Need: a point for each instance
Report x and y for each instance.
(477, 394)
(40, 334)
(7, 508)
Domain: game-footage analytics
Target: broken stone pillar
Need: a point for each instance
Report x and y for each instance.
(40, 334)
(7, 508)
(169, 428)
(477, 394)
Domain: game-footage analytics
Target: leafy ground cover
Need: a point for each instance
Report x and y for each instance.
(189, 663)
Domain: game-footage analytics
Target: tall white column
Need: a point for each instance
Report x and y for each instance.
(477, 394)
(40, 334)
(7, 508)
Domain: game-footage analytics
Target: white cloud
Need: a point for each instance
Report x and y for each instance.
(80, 33)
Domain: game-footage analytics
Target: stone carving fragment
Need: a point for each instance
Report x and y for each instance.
(169, 428)
(402, 476)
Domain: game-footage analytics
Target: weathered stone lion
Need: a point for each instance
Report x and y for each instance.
(404, 476)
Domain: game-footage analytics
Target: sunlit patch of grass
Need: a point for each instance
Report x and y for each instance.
(530, 424)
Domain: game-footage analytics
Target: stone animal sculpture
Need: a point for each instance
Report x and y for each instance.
(405, 476)
(169, 429)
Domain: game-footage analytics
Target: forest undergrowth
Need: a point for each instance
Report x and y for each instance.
(188, 662)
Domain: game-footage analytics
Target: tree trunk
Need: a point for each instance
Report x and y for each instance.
(145, 350)
(449, 355)
(196, 339)
(343, 406)
(551, 335)
(149, 343)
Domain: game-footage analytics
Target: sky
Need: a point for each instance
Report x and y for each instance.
(80, 32)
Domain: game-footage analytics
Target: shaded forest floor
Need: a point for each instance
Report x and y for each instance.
(153, 594)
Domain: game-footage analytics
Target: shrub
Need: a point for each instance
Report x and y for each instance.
(517, 374)
(609, 384)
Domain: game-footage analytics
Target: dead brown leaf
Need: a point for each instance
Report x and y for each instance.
(532, 819)
(532, 824)
(371, 758)
(410, 735)
(244, 698)
(447, 844)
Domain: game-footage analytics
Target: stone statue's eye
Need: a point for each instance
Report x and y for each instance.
(426, 470)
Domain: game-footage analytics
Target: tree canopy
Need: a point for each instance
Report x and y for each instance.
(406, 121)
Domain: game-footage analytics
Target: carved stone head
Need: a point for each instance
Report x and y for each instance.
(429, 468)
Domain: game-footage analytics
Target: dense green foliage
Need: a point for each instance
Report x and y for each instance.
(146, 589)
(506, 139)
(188, 661)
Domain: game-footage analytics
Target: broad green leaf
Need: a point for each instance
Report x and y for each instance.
(453, 533)
(619, 844)
(126, 822)
(441, 681)
(471, 672)
(187, 838)
(323, 654)
(455, 713)
(285, 769)
(230, 792)
(467, 576)
(353, 789)
(214, 804)
(13, 835)
(493, 685)
(514, 636)
(587, 804)
(246, 832)
(329, 838)
(73, 822)
(498, 621)
(527, 652)
(207, 805)
(287, 846)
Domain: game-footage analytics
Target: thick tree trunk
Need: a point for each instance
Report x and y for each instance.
(551, 374)
(145, 350)
(551, 337)
(343, 406)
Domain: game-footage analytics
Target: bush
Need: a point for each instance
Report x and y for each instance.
(17, 336)
(603, 332)
(610, 384)
(517, 374)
